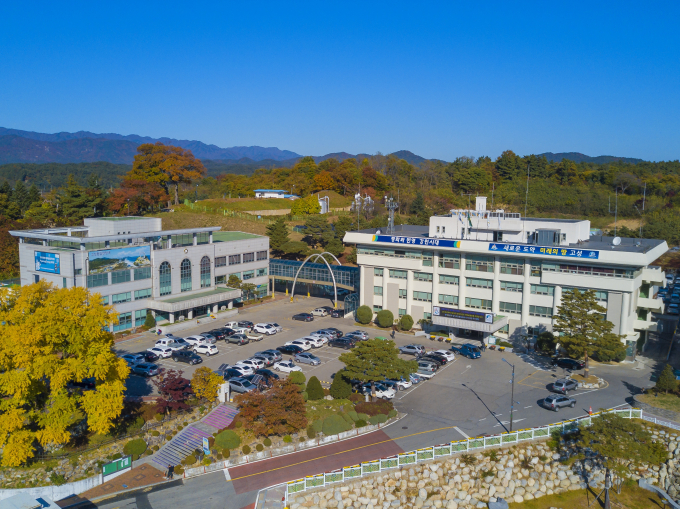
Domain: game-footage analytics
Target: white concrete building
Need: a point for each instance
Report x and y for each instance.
(274, 193)
(137, 266)
(494, 272)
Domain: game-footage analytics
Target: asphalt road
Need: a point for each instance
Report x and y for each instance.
(466, 398)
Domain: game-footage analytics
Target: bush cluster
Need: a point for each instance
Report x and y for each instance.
(267, 442)
(314, 389)
(135, 447)
(360, 423)
(374, 407)
(287, 439)
(385, 318)
(259, 447)
(355, 397)
(246, 449)
(334, 424)
(406, 323)
(227, 439)
(364, 315)
(378, 419)
(311, 432)
(340, 388)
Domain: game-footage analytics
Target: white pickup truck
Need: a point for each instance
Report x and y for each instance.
(170, 343)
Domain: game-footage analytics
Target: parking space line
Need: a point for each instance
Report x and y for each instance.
(461, 432)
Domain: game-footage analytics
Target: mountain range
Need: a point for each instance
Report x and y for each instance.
(17, 146)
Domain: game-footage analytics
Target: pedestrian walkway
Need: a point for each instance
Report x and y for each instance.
(191, 437)
(140, 476)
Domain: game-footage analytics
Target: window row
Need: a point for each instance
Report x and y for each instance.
(118, 276)
(119, 298)
(125, 320)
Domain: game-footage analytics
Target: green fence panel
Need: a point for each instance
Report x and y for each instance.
(491, 441)
(475, 443)
(459, 446)
(509, 438)
(408, 458)
(636, 413)
(369, 467)
(389, 463)
(525, 434)
(425, 454)
(442, 450)
(570, 426)
(350, 472)
(541, 432)
(296, 486)
(314, 481)
(334, 477)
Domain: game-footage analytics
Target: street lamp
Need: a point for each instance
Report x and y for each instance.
(512, 393)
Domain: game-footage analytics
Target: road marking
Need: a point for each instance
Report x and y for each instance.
(226, 475)
(508, 422)
(586, 392)
(528, 406)
(483, 419)
(459, 431)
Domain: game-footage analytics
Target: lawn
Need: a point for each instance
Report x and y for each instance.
(323, 408)
(181, 219)
(665, 401)
(631, 497)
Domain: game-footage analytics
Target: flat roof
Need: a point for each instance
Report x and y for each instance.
(230, 236)
(209, 293)
(123, 218)
(269, 191)
(37, 234)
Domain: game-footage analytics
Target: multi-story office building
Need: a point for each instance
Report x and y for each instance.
(496, 272)
(137, 266)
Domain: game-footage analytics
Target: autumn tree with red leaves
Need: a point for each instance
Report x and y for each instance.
(174, 390)
(280, 411)
(134, 196)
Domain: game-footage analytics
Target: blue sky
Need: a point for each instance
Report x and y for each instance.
(440, 79)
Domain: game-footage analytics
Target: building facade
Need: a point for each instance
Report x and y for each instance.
(137, 266)
(493, 272)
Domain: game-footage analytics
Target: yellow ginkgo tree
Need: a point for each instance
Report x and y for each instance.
(49, 337)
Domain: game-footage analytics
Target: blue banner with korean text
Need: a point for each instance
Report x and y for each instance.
(47, 262)
(416, 241)
(545, 250)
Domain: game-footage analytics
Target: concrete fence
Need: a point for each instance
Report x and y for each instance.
(56, 492)
(448, 449)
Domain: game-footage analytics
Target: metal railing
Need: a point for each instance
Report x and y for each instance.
(448, 449)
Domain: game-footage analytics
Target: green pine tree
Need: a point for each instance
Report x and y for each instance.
(234, 282)
(20, 196)
(583, 328)
(666, 381)
(317, 229)
(278, 234)
(314, 389)
(150, 321)
(6, 189)
(96, 195)
(34, 195)
(74, 201)
(340, 388)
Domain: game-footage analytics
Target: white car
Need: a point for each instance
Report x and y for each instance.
(403, 384)
(323, 337)
(265, 328)
(302, 343)
(206, 349)
(252, 363)
(163, 352)
(425, 374)
(286, 366)
(316, 342)
(276, 326)
(244, 369)
(447, 354)
(133, 358)
(196, 340)
(381, 391)
(319, 312)
(323, 334)
(169, 343)
(232, 325)
(241, 330)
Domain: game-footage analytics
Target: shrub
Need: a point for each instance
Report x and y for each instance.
(238, 424)
(155, 448)
(298, 378)
(311, 432)
(492, 454)
(155, 433)
(305, 396)
(201, 409)
(227, 439)
(226, 453)
(314, 389)
(378, 419)
(468, 459)
(353, 415)
(267, 442)
(259, 447)
(392, 413)
(318, 426)
(364, 315)
(136, 425)
(57, 479)
(148, 452)
(347, 418)
(301, 439)
(245, 449)
(362, 417)
(287, 439)
(150, 321)
(185, 423)
(116, 456)
(406, 323)
(334, 424)
(360, 423)
(189, 460)
(158, 417)
(206, 461)
(135, 447)
(340, 388)
(179, 470)
(385, 318)
(374, 407)
(356, 398)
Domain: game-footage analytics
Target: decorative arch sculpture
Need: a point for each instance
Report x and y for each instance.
(316, 256)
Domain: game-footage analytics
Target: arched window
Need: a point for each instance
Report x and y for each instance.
(205, 272)
(165, 278)
(185, 275)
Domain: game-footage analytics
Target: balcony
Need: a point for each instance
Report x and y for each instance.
(650, 303)
(646, 325)
(653, 274)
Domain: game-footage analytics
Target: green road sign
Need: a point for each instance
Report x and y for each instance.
(117, 465)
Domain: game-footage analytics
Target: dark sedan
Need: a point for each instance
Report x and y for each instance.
(566, 363)
(289, 349)
(149, 356)
(345, 343)
(268, 374)
(186, 356)
(338, 313)
(246, 324)
(439, 359)
(230, 373)
(218, 334)
(303, 317)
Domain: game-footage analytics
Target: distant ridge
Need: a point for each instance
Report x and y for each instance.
(577, 157)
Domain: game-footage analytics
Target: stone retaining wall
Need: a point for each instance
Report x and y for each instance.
(666, 414)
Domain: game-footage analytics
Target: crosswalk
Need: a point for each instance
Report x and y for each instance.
(191, 438)
(537, 362)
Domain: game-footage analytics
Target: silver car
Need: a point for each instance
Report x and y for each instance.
(557, 401)
(241, 385)
(145, 369)
(307, 358)
(358, 334)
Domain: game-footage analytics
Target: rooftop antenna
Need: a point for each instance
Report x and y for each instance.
(391, 205)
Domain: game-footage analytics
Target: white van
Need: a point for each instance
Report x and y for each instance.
(320, 312)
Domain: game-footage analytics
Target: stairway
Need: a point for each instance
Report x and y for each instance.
(191, 437)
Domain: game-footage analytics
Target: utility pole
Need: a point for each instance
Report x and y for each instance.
(644, 194)
(512, 393)
(391, 205)
(616, 211)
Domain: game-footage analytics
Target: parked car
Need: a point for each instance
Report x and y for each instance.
(252, 363)
(275, 353)
(276, 326)
(412, 349)
(289, 349)
(402, 384)
(231, 373)
(336, 332)
(673, 309)
(239, 339)
(163, 352)
(258, 381)
(145, 369)
(196, 340)
(218, 334)
(241, 330)
(231, 325)
(286, 366)
(253, 336)
(323, 333)
(303, 317)
(269, 375)
(414, 378)
(447, 354)
(206, 349)
(246, 370)
(467, 350)
(564, 385)
(320, 312)
(316, 341)
(433, 357)
(264, 328)
(149, 356)
(343, 342)
(571, 364)
(186, 356)
(209, 338)
(307, 358)
(338, 313)
(247, 324)
(426, 365)
(302, 343)
(358, 334)
(267, 358)
(170, 343)
(133, 358)
(241, 385)
(381, 391)
(425, 375)
(228, 331)
(557, 401)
